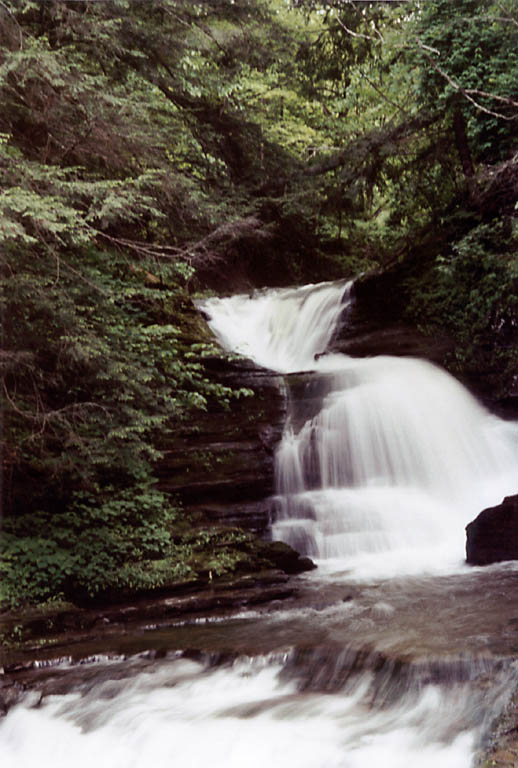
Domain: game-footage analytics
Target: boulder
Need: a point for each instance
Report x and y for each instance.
(284, 557)
(493, 535)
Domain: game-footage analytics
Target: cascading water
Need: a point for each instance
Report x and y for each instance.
(357, 670)
(280, 329)
(179, 713)
(398, 460)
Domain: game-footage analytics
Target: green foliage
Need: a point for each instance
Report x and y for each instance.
(469, 60)
(218, 552)
(122, 126)
(95, 368)
(472, 292)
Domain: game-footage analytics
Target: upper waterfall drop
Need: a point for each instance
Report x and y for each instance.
(282, 329)
(400, 456)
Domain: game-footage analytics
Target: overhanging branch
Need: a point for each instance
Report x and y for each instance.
(468, 93)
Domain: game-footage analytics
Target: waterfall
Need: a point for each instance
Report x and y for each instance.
(400, 456)
(279, 329)
(376, 477)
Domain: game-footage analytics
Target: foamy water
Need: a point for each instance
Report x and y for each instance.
(177, 713)
(398, 460)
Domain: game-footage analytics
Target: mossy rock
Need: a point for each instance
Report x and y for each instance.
(283, 557)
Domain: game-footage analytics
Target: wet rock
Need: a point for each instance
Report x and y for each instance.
(251, 515)
(10, 693)
(306, 395)
(68, 633)
(365, 331)
(380, 323)
(500, 744)
(222, 467)
(493, 535)
(284, 557)
(235, 595)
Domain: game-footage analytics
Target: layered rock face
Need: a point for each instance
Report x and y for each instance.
(222, 467)
(493, 535)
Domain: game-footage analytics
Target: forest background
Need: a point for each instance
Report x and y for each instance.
(153, 150)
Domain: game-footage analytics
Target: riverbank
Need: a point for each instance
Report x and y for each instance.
(41, 631)
(262, 575)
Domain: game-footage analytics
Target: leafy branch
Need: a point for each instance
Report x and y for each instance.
(468, 93)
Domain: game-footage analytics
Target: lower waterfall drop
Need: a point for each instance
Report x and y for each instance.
(398, 460)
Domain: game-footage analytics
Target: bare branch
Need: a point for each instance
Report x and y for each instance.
(507, 18)
(354, 34)
(383, 95)
(199, 26)
(43, 418)
(350, 32)
(466, 92)
(428, 48)
(369, 143)
(503, 99)
(142, 248)
(202, 250)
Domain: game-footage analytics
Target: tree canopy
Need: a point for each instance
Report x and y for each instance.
(149, 149)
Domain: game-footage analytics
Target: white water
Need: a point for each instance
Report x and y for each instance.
(280, 329)
(178, 714)
(400, 457)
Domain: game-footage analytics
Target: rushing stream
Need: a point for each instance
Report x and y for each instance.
(395, 655)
